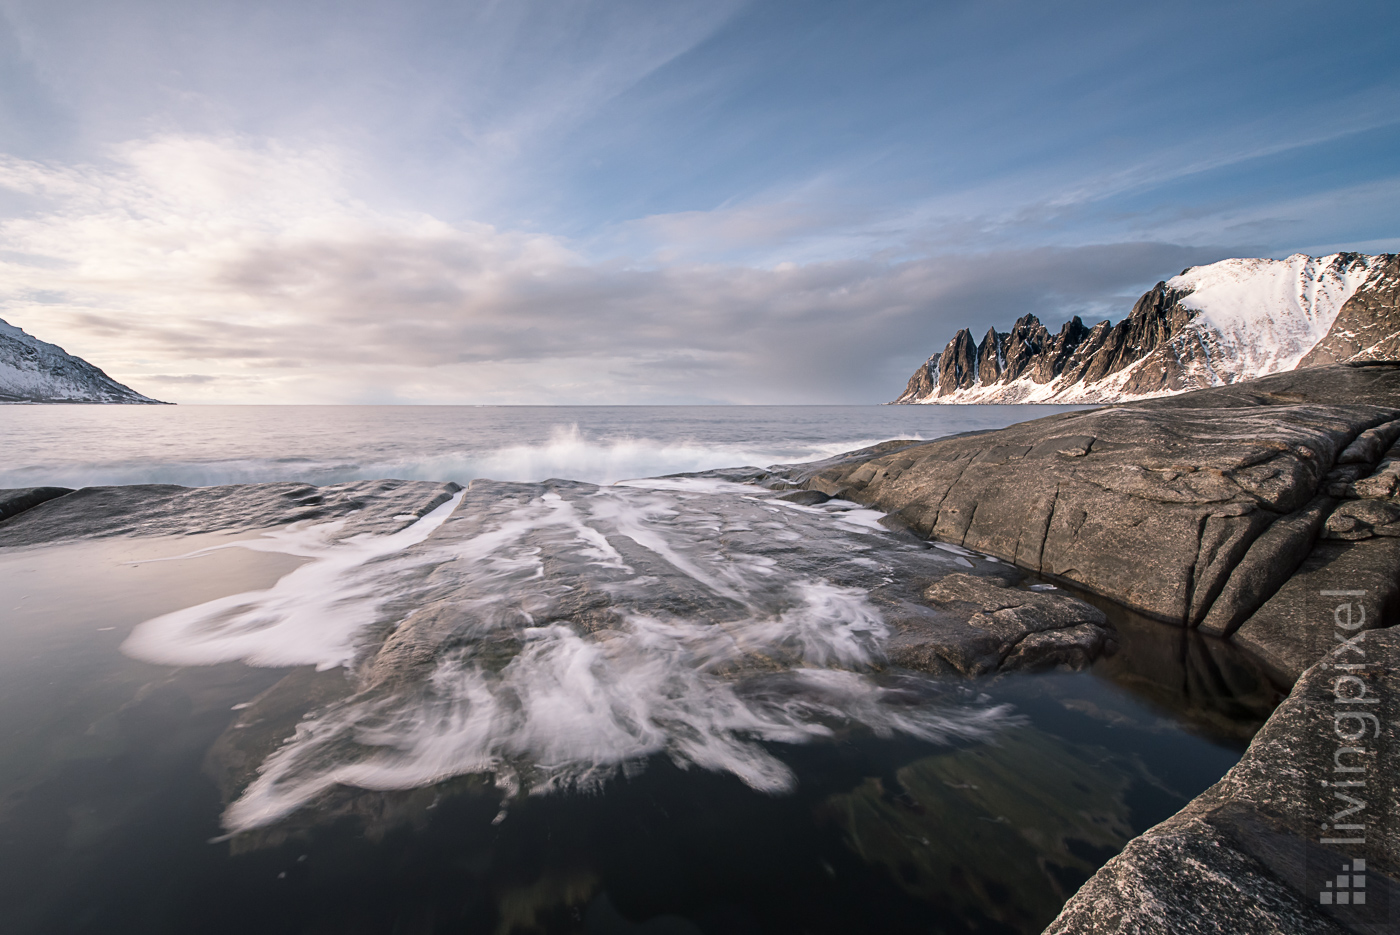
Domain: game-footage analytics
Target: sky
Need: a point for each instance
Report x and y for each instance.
(659, 201)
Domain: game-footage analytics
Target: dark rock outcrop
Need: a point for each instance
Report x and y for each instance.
(957, 367)
(1079, 354)
(34, 371)
(991, 357)
(1017, 629)
(16, 500)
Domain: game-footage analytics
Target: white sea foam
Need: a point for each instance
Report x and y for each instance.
(568, 709)
(567, 712)
(311, 616)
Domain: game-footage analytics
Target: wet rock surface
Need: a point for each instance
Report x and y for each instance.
(1015, 628)
(14, 501)
(548, 634)
(166, 509)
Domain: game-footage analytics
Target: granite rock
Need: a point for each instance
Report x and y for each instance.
(1011, 628)
(1268, 564)
(1361, 519)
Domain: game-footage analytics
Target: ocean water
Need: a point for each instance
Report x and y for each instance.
(308, 730)
(73, 446)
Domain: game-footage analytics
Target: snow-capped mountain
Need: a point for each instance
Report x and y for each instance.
(34, 371)
(1233, 320)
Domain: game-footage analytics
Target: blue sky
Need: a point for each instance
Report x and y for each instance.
(642, 202)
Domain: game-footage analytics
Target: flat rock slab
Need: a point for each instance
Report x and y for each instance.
(727, 561)
(1305, 823)
(166, 510)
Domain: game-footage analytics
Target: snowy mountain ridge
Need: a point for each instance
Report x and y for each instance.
(1234, 320)
(34, 371)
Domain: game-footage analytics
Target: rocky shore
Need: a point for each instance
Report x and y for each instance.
(1266, 514)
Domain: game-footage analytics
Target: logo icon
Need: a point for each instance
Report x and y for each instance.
(1349, 888)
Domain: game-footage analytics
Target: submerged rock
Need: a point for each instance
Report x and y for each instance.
(1021, 815)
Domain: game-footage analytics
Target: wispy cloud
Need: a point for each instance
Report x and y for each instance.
(624, 201)
(252, 272)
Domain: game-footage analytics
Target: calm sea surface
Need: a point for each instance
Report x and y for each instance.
(117, 774)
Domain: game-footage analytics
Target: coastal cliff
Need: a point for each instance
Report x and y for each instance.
(34, 371)
(1213, 325)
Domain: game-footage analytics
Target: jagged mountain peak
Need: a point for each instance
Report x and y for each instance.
(35, 371)
(1211, 325)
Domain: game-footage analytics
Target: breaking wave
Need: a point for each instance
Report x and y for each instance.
(568, 452)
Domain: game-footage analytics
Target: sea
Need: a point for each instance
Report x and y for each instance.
(73, 446)
(829, 795)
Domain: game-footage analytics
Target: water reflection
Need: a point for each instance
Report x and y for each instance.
(1208, 683)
